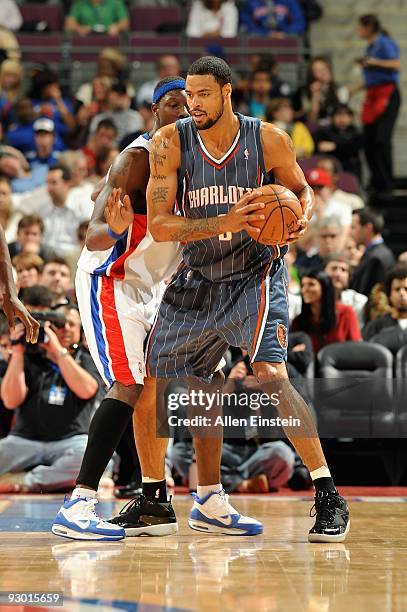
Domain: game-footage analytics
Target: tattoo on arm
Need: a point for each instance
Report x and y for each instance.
(157, 157)
(160, 195)
(196, 229)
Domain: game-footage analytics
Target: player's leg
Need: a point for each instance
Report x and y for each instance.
(268, 345)
(151, 513)
(184, 343)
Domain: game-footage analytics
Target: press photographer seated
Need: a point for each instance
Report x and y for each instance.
(52, 387)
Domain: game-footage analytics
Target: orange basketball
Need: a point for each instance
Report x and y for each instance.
(282, 211)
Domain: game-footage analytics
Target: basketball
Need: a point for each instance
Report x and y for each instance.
(282, 211)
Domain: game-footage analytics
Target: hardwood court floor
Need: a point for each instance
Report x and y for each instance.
(278, 571)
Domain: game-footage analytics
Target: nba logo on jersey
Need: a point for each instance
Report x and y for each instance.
(246, 153)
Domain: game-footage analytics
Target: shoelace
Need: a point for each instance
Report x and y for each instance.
(131, 505)
(88, 511)
(324, 510)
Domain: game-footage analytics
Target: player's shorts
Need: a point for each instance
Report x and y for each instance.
(196, 313)
(116, 320)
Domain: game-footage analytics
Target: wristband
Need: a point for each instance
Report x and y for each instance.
(63, 352)
(115, 236)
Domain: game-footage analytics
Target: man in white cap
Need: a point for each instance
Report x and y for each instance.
(44, 134)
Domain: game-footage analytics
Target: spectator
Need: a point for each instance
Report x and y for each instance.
(10, 16)
(213, 18)
(100, 16)
(99, 103)
(381, 67)
(8, 217)
(125, 119)
(105, 161)
(20, 134)
(49, 102)
(56, 277)
(79, 196)
(327, 235)
(14, 166)
(402, 258)
(323, 318)
(9, 47)
(342, 139)
(28, 267)
(99, 143)
(280, 112)
(326, 204)
(60, 222)
(294, 297)
(260, 89)
(81, 233)
(111, 63)
(367, 227)
(45, 152)
(390, 328)
(30, 235)
(272, 18)
(166, 66)
(6, 416)
(351, 200)
(11, 78)
(353, 252)
(53, 390)
(338, 268)
(247, 465)
(320, 95)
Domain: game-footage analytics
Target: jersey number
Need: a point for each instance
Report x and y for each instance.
(226, 235)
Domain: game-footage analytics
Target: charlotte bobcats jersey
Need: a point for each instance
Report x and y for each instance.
(136, 257)
(208, 187)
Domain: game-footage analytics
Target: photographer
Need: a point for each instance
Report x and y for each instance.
(52, 387)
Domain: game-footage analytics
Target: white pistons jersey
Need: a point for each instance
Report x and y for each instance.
(136, 257)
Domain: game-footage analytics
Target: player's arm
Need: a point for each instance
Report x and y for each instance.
(279, 158)
(163, 223)
(129, 173)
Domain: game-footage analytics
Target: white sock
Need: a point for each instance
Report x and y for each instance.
(203, 490)
(147, 479)
(322, 472)
(80, 492)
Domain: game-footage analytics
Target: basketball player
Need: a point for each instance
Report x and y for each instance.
(10, 303)
(230, 287)
(119, 284)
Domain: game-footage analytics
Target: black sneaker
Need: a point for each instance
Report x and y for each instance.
(332, 518)
(145, 516)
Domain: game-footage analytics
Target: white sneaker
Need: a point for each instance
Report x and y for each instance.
(214, 514)
(78, 520)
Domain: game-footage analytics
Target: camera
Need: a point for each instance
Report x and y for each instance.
(57, 319)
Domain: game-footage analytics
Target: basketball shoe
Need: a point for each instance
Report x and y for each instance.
(214, 514)
(332, 518)
(145, 516)
(78, 520)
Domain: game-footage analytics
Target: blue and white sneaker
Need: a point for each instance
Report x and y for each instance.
(214, 514)
(78, 520)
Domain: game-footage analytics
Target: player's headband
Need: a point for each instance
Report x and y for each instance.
(161, 91)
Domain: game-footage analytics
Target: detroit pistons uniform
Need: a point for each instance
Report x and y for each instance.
(118, 294)
(230, 289)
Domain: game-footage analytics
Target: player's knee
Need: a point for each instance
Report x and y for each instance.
(127, 394)
(270, 372)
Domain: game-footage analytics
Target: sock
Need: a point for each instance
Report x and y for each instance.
(203, 490)
(155, 489)
(105, 431)
(323, 480)
(81, 492)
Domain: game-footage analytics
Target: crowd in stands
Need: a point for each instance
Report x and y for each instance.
(56, 144)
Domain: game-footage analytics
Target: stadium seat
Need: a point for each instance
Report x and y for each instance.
(226, 47)
(87, 48)
(46, 48)
(284, 50)
(353, 396)
(51, 13)
(309, 163)
(148, 48)
(348, 182)
(148, 18)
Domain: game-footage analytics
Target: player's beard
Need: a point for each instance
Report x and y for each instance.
(210, 122)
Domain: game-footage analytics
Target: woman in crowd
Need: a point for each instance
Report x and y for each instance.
(381, 66)
(323, 318)
(320, 95)
(213, 18)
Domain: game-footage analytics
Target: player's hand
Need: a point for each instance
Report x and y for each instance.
(14, 308)
(307, 205)
(53, 345)
(243, 214)
(119, 213)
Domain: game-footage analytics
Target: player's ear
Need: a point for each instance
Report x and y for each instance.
(154, 109)
(227, 90)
